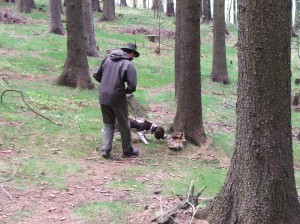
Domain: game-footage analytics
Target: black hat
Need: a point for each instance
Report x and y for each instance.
(131, 47)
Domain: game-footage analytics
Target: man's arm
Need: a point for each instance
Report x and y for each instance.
(97, 74)
(131, 79)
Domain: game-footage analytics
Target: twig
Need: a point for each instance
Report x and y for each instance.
(12, 177)
(18, 91)
(1, 78)
(6, 193)
(194, 202)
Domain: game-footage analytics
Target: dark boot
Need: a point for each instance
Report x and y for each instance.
(132, 152)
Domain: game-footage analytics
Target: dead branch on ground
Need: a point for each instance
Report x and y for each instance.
(18, 91)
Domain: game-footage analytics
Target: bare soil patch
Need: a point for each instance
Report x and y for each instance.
(167, 34)
(6, 76)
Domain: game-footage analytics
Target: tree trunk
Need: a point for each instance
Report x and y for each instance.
(144, 4)
(108, 10)
(123, 3)
(234, 12)
(157, 5)
(32, 4)
(206, 11)
(297, 17)
(188, 117)
(25, 6)
(260, 184)
(76, 69)
(219, 70)
(56, 26)
(170, 8)
(89, 28)
(179, 17)
(201, 9)
(96, 6)
(134, 4)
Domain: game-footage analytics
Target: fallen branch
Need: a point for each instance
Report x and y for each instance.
(1, 78)
(191, 200)
(18, 91)
(12, 176)
(10, 197)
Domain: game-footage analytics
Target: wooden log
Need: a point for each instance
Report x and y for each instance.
(153, 38)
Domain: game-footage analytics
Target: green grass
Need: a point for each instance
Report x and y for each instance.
(42, 170)
(100, 212)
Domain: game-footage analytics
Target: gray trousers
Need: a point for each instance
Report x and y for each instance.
(109, 115)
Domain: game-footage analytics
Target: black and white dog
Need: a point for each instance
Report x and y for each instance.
(143, 127)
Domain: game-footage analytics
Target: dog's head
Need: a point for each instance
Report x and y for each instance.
(159, 133)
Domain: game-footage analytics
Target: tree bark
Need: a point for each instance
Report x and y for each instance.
(56, 26)
(157, 5)
(260, 184)
(89, 29)
(144, 4)
(25, 6)
(206, 11)
(219, 70)
(108, 10)
(32, 4)
(76, 69)
(234, 12)
(170, 8)
(96, 6)
(188, 117)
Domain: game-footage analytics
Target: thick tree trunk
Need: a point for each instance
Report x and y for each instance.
(76, 69)
(96, 6)
(188, 117)
(56, 26)
(179, 18)
(108, 10)
(25, 6)
(219, 70)
(206, 11)
(89, 29)
(170, 8)
(260, 184)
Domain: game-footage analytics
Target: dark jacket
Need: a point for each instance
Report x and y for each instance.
(116, 70)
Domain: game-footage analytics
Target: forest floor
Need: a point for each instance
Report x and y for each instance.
(42, 203)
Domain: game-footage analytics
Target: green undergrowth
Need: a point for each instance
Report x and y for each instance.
(101, 212)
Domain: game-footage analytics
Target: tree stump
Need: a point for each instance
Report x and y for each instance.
(176, 140)
(135, 108)
(296, 99)
(297, 81)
